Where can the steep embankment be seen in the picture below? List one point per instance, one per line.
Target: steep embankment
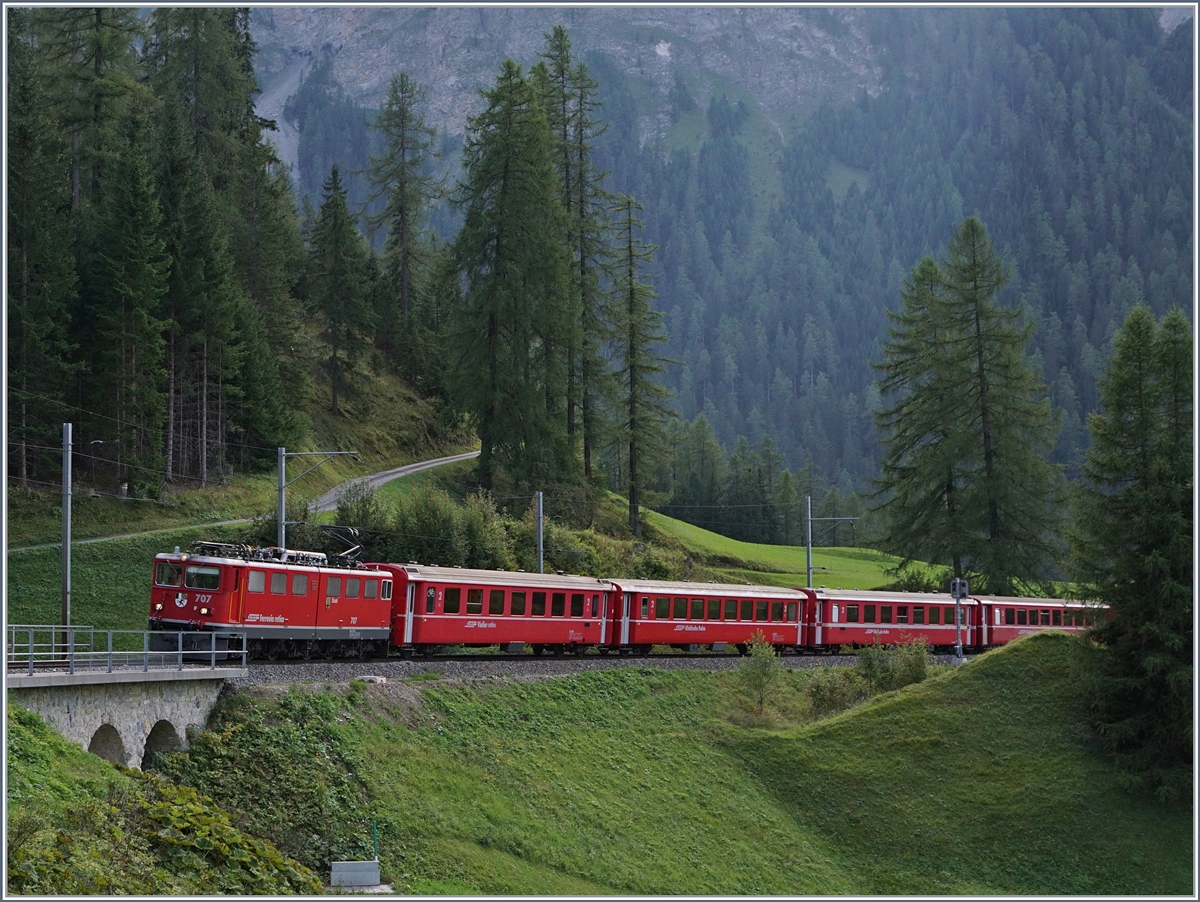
(633, 781)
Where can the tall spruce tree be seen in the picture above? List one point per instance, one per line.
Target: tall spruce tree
(637, 334)
(968, 428)
(338, 284)
(41, 267)
(569, 95)
(400, 176)
(1132, 549)
(509, 326)
(127, 322)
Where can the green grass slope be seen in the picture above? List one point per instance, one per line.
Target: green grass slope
(637, 781)
(76, 825)
(980, 781)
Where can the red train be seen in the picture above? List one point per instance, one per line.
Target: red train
(292, 604)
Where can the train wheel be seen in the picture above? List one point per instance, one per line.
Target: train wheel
(743, 649)
(602, 649)
(644, 651)
(429, 650)
(558, 651)
(539, 649)
(579, 650)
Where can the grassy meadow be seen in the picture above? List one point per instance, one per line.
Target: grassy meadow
(980, 780)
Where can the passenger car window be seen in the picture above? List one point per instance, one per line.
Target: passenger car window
(777, 611)
(430, 597)
(576, 604)
(697, 609)
(869, 613)
(539, 604)
(558, 604)
(747, 610)
(474, 601)
(902, 614)
(885, 613)
(452, 601)
(714, 609)
(680, 611)
(760, 610)
(852, 613)
(731, 609)
(662, 608)
(918, 615)
(517, 607)
(496, 601)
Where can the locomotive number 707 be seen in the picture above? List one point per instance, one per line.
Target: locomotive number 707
(203, 599)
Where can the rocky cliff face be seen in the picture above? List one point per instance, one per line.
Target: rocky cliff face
(780, 59)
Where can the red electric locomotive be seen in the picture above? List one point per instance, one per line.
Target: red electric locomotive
(287, 603)
(688, 616)
(439, 606)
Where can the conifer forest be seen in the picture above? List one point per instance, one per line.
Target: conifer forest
(599, 302)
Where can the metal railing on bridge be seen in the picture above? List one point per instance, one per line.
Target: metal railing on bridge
(85, 649)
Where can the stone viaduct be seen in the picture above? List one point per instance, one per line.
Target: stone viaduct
(126, 716)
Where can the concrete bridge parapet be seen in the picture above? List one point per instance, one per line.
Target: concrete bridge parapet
(123, 717)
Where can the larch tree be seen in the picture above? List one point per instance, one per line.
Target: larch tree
(968, 426)
(1132, 550)
(637, 334)
(510, 321)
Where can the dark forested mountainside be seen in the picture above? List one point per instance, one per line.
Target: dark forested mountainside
(1067, 131)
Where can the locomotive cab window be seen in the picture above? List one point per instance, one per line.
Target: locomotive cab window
(387, 590)
(453, 600)
(168, 573)
(496, 602)
(256, 582)
(517, 607)
(198, 576)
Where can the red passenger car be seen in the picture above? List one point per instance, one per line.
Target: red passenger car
(858, 617)
(1006, 619)
(288, 603)
(685, 615)
(439, 606)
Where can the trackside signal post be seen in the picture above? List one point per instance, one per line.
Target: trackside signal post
(959, 589)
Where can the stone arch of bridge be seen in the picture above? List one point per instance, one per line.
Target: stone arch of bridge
(163, 738)
(107, 743)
